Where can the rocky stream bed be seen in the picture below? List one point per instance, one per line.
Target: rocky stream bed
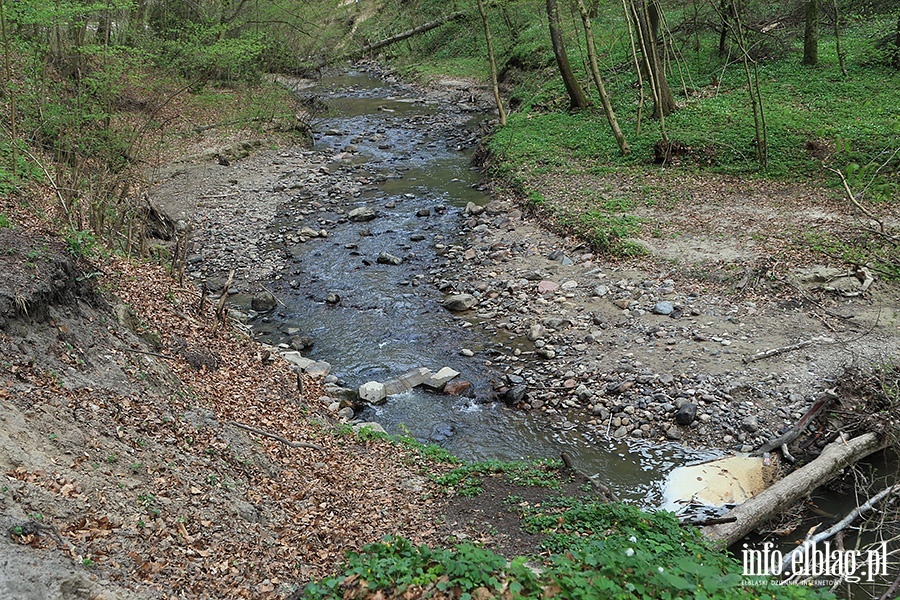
(650, 350)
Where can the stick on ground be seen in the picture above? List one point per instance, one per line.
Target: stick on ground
(284, 441)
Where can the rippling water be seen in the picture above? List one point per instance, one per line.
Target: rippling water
(385, 325)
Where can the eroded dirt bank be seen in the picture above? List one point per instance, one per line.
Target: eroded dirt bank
(127, 469)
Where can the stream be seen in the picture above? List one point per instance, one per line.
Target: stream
(415, 156)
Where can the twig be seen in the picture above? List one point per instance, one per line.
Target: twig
(601, 489)
(148, 353)
(787, 455)
(891, 590)
(827, 397)
(840, 525)
(855, 202)
(228, 195)
(220, 309)
(776, 351)
(277, 299)
(33, 528)
(277, 437)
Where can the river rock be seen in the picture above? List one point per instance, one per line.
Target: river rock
(600, 290)
(457, 388)
(583, 393)
(407, 381)
(263, 302)
(301, 342)
(423, 212)
(473, 209)
(515, 395)
(663, 308)
(750, 424)
(332, 298)
(555, 323)
(342, 394)
(295, 358)
(437, 381)
(308, 232)
(389, 259)
(370, 426)
(372, 392)
(536, 332)
(361, 214)
(459, 302)
(673, 433)
(318, 368)
(546, 286)
(686, 414)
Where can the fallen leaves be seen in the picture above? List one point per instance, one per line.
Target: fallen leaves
(162, 491)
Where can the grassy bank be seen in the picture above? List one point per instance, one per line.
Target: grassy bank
(587, 549)
(817, 117)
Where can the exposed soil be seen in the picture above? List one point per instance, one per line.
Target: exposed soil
(120, 463)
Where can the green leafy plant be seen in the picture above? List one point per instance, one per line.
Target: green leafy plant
(465, 480)
(81, 243)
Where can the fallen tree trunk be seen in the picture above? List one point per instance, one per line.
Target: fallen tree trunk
(786, 492)
(402, 36)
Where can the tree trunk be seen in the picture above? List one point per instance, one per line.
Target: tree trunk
(495, 86)
(759, 115)
(811, 34)
(406, 34)
(598, 81)
(897, 46)
(725, 10)
(787, 492)
(837, 39)
(577, 98)
(647, 19)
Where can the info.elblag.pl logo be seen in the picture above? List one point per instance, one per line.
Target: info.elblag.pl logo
(816, 560)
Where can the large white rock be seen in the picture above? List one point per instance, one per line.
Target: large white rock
(437, 380)
(371, 426)
(296, 358)
(407, 381)
(372, 392)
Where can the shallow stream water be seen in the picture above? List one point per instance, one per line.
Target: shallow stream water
(389, 320)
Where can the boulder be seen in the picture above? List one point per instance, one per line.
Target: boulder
(301, 342)
(298, 359)
(388, 259)
(318, 368)
(459, 387)
(547, 286)
(407, 381)
(459, 302)
(372, 392)
(686, 414)
(263, 302)
(663, 308)
(515, 395)
(474, 209)
(361, 214)
(371, 427)
(536, 332)
(437, 381)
